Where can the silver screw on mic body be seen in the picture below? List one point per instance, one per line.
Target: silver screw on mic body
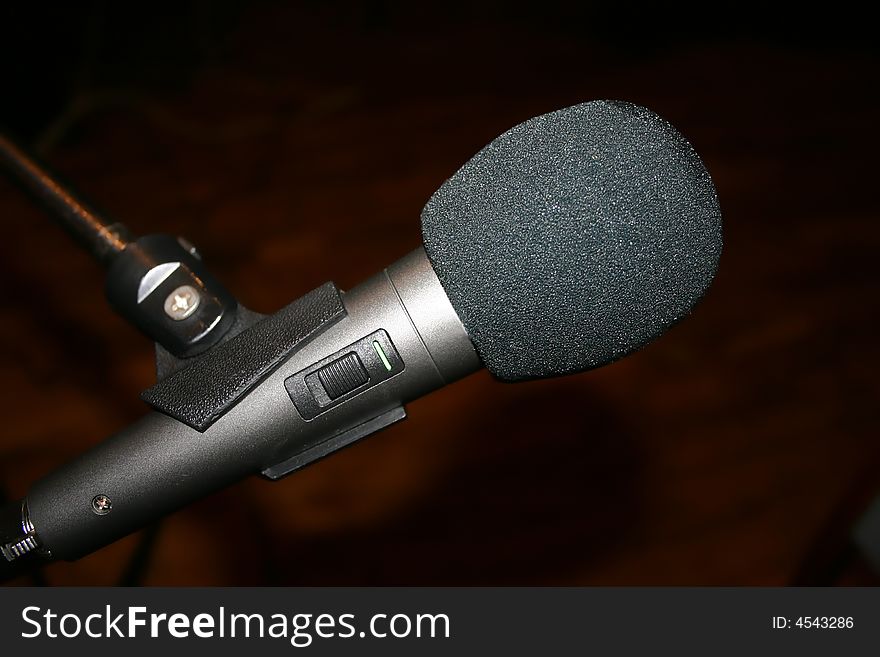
(182, 302)
(101, 505)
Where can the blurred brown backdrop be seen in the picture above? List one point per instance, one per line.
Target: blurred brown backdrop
(297, 142)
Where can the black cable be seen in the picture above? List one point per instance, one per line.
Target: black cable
(31, 565)
(18, 568)
(140, 558)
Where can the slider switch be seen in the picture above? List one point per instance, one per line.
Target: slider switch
(343, 375)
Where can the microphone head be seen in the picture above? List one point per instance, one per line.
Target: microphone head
(574, 239)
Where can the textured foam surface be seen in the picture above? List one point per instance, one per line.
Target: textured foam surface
(574, 238)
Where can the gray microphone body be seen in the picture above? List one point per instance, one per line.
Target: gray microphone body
(568, 242)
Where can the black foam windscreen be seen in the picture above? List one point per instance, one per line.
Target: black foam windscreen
(574, 238)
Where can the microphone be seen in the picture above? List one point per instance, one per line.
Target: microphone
(568, 242)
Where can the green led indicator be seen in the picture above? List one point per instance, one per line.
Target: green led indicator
(382, 355)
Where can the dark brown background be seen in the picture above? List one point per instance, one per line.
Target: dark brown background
(297, 142)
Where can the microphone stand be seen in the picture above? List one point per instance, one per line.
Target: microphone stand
(157, 283)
